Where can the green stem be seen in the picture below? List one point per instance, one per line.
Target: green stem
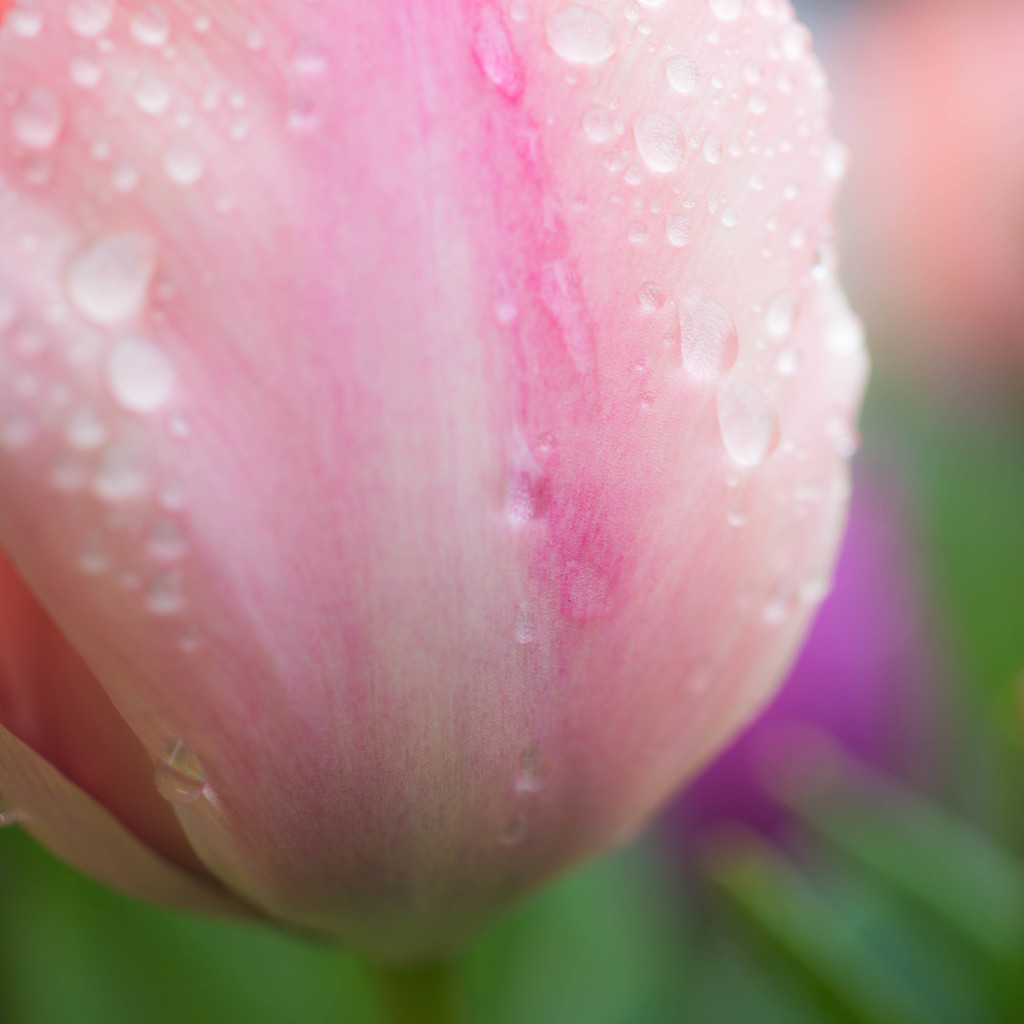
(424, 994)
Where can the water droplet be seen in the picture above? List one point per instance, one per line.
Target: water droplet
(659, 141)
(140, 376)
(25, 22)
(835, 161)
(726, 10)
(562, 296)
(526, 486)
(677, 229)
(708, 338)
(90, 18)
(683, 74)
(85, 72)
(179, 775)
(152, 96)
(514, 832)
(781, 314)
(8, 309)
(93, 558)
(587, 591)
(183, 164)
(38, 118)
(150, 26)
(109, 282)
(712, 149)
(598, 125)
(309, 59)
(652, 298)
(580, 35)
(533, 770)
(493, 50)
(748, 422)
(122, 472)
(164, 596)
(167, 541)
(85, 430)
(9, 816)
(526, 625)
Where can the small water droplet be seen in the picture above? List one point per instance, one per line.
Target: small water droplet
(712, 149)
(150, 26)
(514, 832)
(726, 10)
(140, 376)
(152, 96)
(748, 422)
(580, 35)
(183, 164)
(38, 119)
(534, 770)
(26, 22)
(85, 72)
(781, 314)
(9, 816)
(683, 74)
(164, 596)
(179, 775)
(167, 541)
(708, 338)
(677, 229)
(598, 125)
(526, 625)
(122, 472)
(652, 298)
(93, 558)
(495, 54)
(90, 18)
(659, 141)
(85, 430)
(109, 282)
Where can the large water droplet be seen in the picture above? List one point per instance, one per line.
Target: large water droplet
(179, 775)
(580, 35)
(109, 282)
(90, 18)
(659, 141)
(140, 376)
(748, 422)
(683, 74)
(38, 118)
(708, 338)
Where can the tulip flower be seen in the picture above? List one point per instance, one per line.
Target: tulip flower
(423, 435)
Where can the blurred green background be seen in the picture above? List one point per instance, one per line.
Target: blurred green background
(876, 879)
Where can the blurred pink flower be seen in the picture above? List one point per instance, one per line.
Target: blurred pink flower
(422, 435)
(929, 97)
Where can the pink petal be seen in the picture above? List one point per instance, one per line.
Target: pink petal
(432, 352)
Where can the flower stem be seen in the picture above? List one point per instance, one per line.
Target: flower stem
(424, 994)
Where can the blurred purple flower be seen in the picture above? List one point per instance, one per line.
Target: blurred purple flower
(862, 679)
